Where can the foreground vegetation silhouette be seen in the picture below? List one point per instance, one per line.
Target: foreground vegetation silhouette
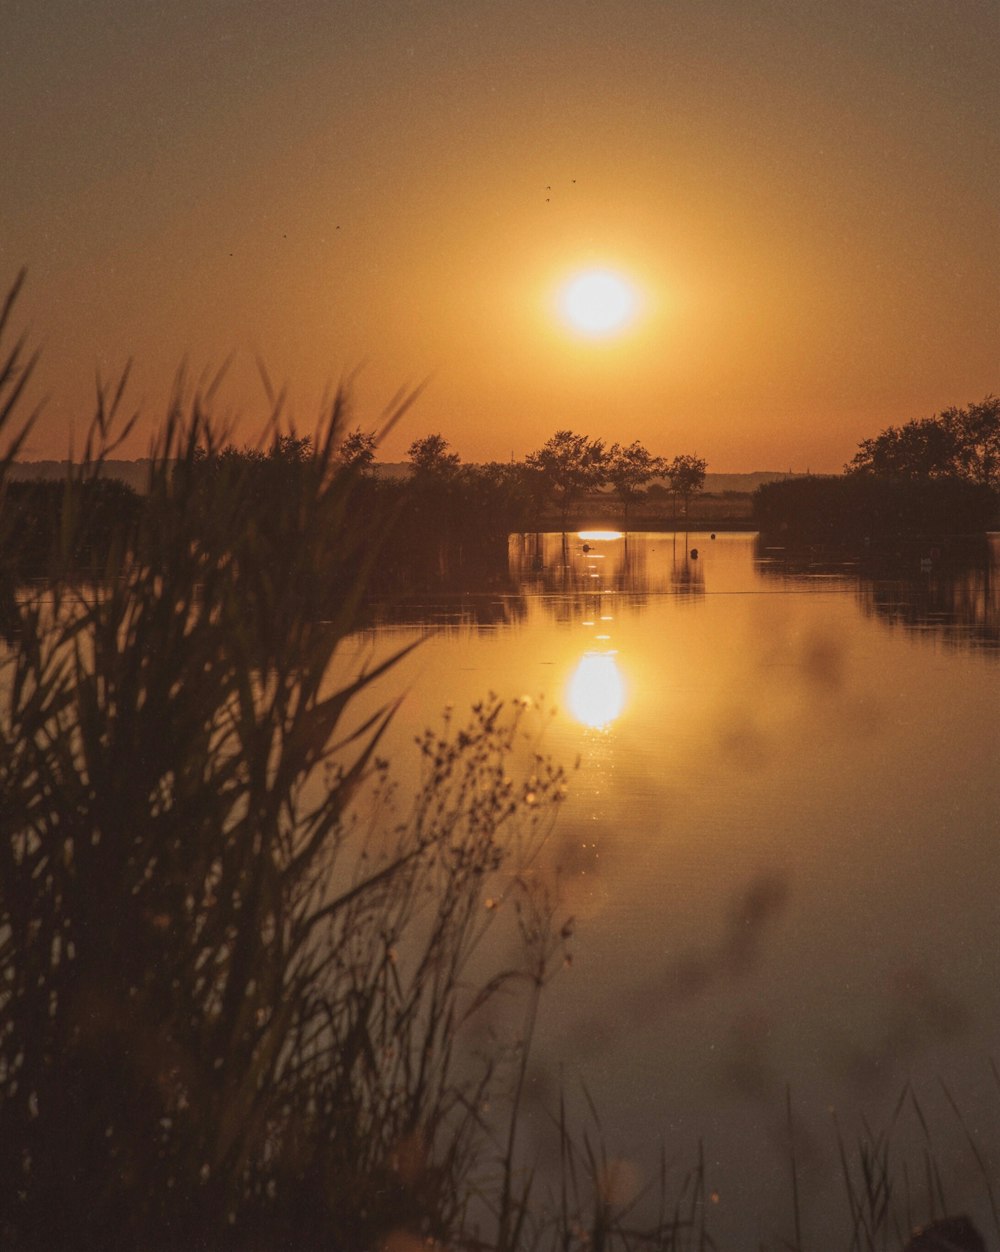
(229, 1001)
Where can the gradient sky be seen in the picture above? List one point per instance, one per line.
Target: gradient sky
(805, 193)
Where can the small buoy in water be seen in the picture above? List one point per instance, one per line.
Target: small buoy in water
(586, 547)
(694, 554)
(713, 534)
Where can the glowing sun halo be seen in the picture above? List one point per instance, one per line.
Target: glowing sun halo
(597, 303)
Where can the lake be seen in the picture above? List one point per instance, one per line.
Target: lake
(780, 846)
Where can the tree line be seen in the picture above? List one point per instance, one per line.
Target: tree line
(559, 474)
(929, 478)
(961, 444)
(442, 524)
(444, 520)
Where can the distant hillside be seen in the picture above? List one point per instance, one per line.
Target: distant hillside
(135, 473)
(716, 484)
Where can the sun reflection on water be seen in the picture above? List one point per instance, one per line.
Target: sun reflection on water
(596, 692)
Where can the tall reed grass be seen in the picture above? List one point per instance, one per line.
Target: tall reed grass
(229, 1003)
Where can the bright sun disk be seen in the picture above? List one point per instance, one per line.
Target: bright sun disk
(597, 302)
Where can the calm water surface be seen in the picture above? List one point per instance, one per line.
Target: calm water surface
(781, 846)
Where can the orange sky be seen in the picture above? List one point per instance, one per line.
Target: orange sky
(805, 193)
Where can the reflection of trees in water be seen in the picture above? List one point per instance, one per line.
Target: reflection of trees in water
(570, 573)
(554, 564)
(962, 606)
(687, 577)
(459, 611)
(955, 596)
(631, 573)
(452, 587)
(808, 563)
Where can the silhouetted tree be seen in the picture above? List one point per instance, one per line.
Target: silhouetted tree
(357, 451)
(920, 449)
(978, 430)
(955, 443)
(497, 496)
(569, 466)
(630, 469)
(291, 448)
(430, 457)
(686, 475)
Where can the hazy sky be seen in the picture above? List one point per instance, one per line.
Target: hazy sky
(803, 192)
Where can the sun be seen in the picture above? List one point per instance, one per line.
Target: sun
(596, 692)
(598, 303)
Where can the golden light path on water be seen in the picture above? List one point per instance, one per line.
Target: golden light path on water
(595, 693)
